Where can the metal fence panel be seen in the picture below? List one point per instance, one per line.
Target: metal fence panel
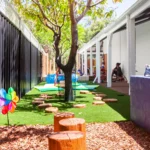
(20, 61)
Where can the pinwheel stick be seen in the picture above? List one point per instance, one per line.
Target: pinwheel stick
(7, 119)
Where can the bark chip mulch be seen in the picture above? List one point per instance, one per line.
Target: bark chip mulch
(99, 136)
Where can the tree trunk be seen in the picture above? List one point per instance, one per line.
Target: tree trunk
(68, 86)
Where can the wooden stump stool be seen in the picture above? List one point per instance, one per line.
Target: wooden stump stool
(51, 110)
(60, 116)
(84, 92)
(60, 94)
(39, 99)
(72, 124)
(67, 140)
(98, 98)
(37, 102)
(96, 93)
(98, 103)
(100, 95)
(79, 105)
(46, 96)
(110, 100)
(45, 105)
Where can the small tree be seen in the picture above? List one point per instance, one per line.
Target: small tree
(59, 16)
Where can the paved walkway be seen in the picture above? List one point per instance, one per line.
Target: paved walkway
(122, 87)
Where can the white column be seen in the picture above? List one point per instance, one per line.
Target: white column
(131, 47)
(109, 60)
(91, 62)
(82, 62)
(98, 73)
(85, 62)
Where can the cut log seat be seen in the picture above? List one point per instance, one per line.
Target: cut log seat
(51, 110)
(98, 103)
(67, 140)
(60, 116)
(97, 98)
(110, 100)
(100, 95)
(72, 124)
(85, 92)
(46, 96)
(45, 105)
(39, 99)
(37, 102)
(79, 105)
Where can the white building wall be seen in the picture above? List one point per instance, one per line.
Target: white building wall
(142, 47)
(116, 44)
(105, 46)
(123, 48)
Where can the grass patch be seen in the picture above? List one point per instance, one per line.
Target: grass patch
(26, 113)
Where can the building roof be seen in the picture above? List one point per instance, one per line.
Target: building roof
(138, 11)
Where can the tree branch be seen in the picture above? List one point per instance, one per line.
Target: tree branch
(85, 10)
(42, 12)
(71, 6)
(96, 3)
(45, 23)
(88, 6)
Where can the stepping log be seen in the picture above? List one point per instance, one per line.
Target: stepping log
(60, 116)
(51, 110)
(100, 95)
(45, 105)
(37, 102)
(46, 96)
(79, 105)
(98, 103)
(72, 124)
(39, 99)
(67, 140)
(98, 98)
(96, 93)
(110, 100)
(84, 92)
(60, 94)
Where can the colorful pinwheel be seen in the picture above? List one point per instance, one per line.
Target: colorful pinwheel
(8, 100)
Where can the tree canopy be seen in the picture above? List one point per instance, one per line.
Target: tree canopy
(62, 18)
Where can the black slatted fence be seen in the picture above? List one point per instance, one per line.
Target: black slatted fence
(20, 61)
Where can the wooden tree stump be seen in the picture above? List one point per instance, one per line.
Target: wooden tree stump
(60, 94)
(96, 93)
(39, 99)
(79, 105)
(98, 103)
(72, 124)
(110, 100)
(100, 95)
(84, 92)
(98, 98)
(67, 140)
(51, 110)
(46, 96)
(37, 102)
(60, 116)
(45, 105)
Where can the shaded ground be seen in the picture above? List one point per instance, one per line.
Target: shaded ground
(100, 136)
(122, 87)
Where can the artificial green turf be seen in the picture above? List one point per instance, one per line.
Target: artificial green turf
(26, 113)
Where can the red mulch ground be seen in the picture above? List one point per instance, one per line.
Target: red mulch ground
(100, 136)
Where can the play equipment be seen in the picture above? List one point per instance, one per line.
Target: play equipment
(52, 88)
(51, 78)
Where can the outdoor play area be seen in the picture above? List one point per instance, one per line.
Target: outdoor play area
(107, 124)
(72, 75)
